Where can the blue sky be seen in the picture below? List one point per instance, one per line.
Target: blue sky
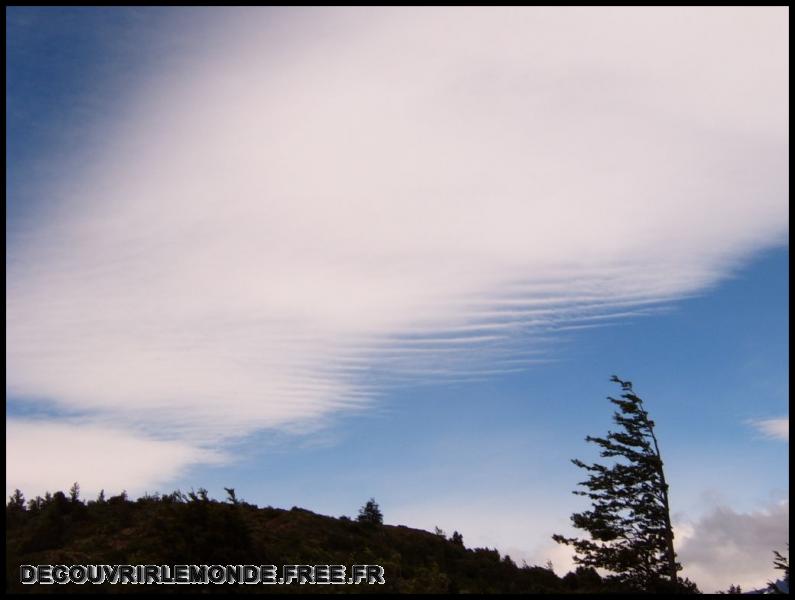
(322, 255)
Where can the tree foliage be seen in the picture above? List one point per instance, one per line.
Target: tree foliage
(371, 513)
(16, 501)
(781, 563)
(629, 524)
(74, 492)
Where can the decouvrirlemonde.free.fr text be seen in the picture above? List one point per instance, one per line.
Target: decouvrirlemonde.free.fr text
(201, 574)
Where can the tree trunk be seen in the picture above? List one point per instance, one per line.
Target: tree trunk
(669, 531)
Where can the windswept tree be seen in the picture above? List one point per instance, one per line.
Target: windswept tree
(629, 525)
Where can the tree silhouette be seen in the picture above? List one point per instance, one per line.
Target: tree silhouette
(74, 492)
(370, 513)
(629, 525)
(781, 563)
(16, 501)
(231, 496)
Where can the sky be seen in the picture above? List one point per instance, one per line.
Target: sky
(320, 255)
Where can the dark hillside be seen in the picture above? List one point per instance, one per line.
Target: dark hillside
(193, 529)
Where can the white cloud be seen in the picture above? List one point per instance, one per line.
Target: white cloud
(49, 456)
(773, 428)
(261, 237)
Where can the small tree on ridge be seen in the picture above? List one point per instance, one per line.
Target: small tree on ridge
(370, 513)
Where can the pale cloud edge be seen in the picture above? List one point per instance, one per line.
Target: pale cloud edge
(49, 456)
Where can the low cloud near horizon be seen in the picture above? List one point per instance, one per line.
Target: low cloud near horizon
(319, 202)
(720, 547)
(727, 547)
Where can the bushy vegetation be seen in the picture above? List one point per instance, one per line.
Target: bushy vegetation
(192, 528)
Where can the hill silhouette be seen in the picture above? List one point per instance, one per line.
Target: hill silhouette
(192, 528)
